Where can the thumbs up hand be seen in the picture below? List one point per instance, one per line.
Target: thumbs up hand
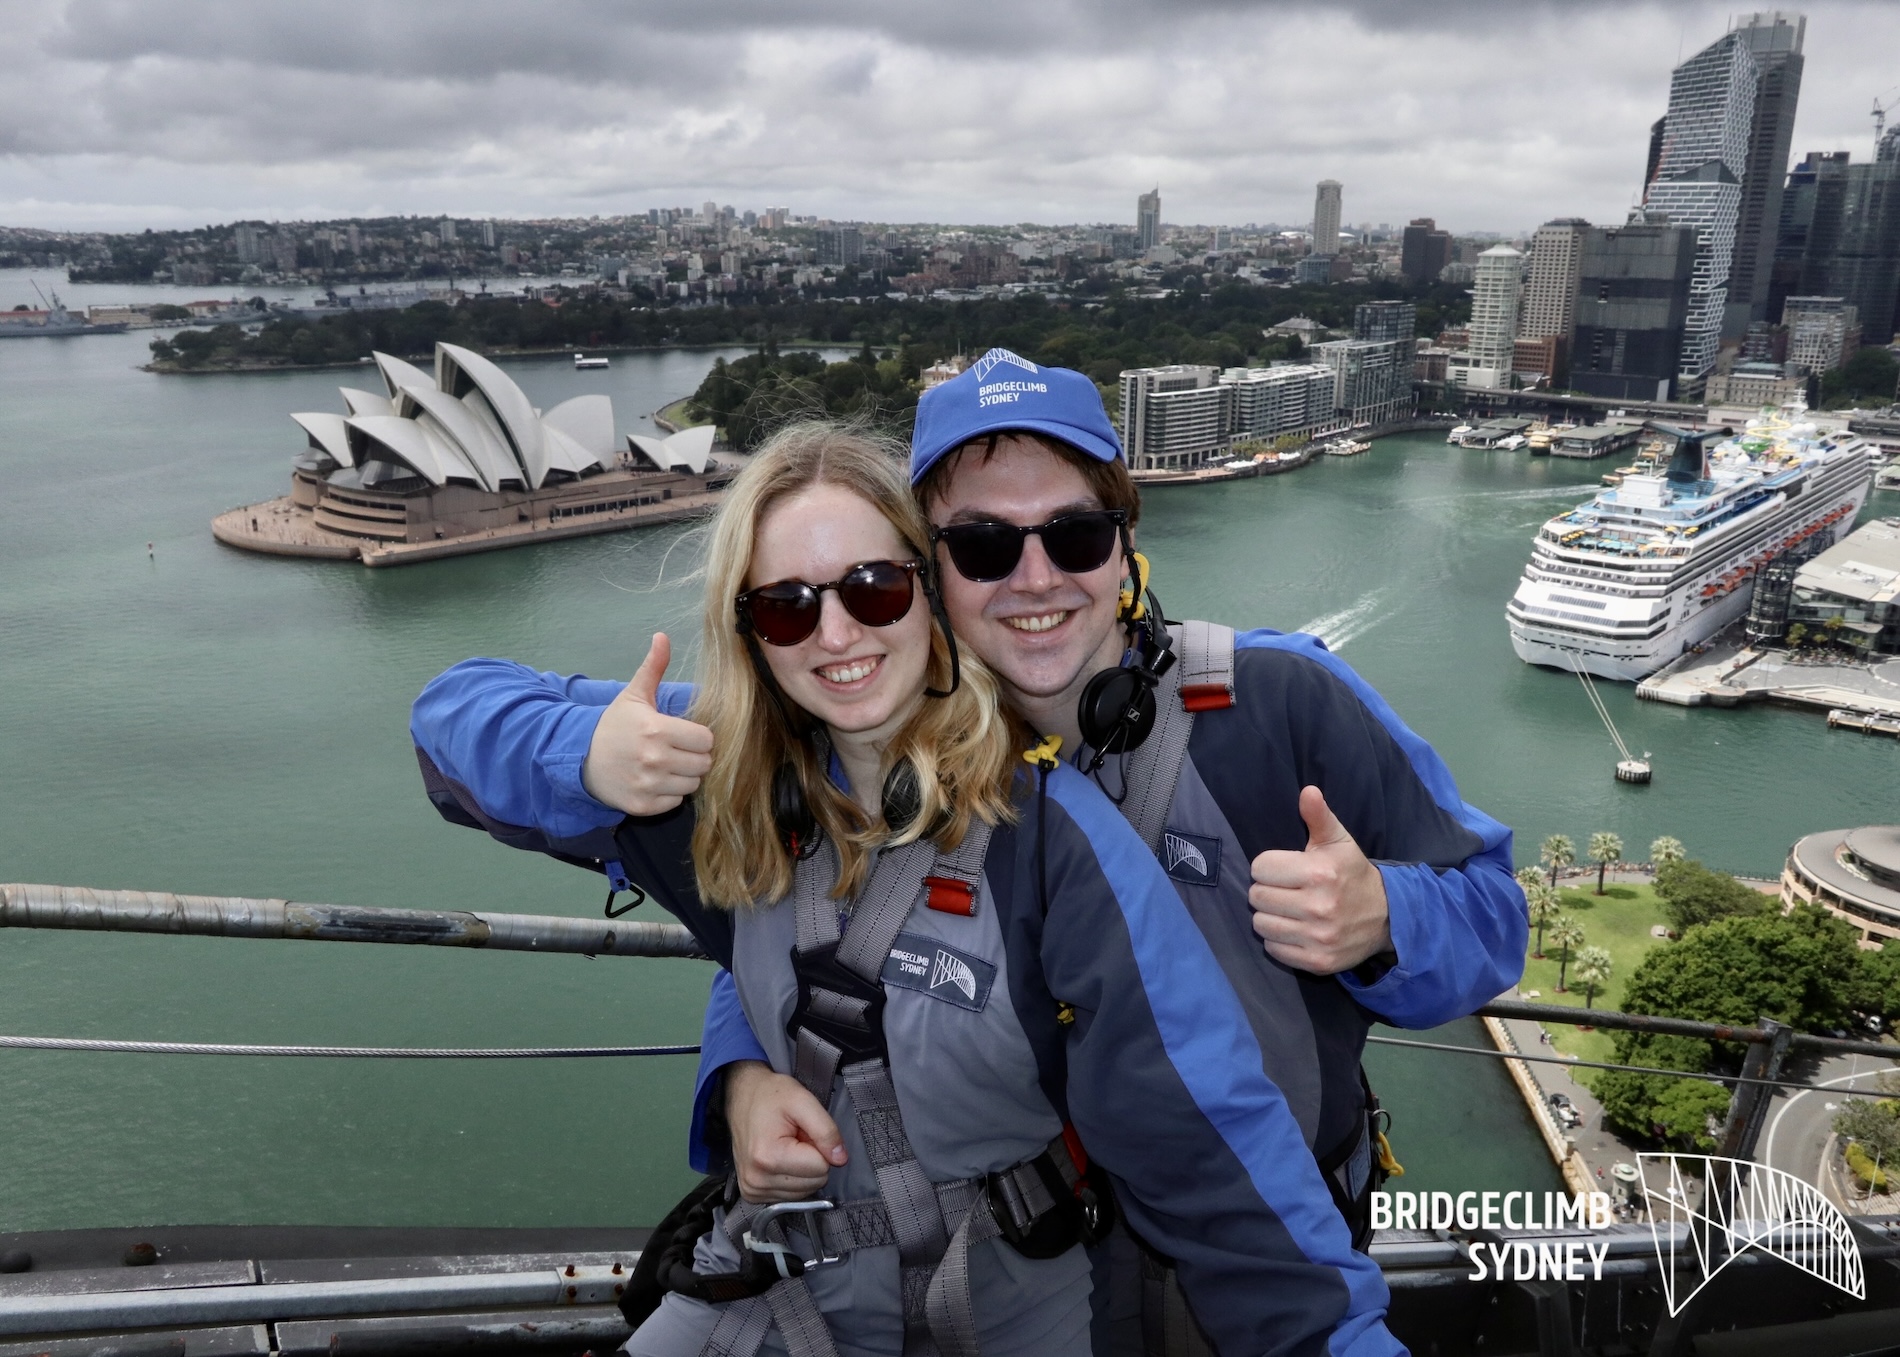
(641, 760)
(1322, 909)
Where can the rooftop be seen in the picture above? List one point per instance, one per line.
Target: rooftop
(1864, 565)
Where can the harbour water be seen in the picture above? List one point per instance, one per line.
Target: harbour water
(195, 719)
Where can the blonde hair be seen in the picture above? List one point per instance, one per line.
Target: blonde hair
(962, 747)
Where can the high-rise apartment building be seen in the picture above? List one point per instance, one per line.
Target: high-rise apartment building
(1774, 40)
(841, 245)
(1810, 215)
(249, 243)
(1840, 236)
(1496, 297)
(488, 235)
(1424, 250)
(1550, 298)
(1823, 332)
(1699, 184)
(1272, 402)
(1148, 219)
(1326, 204)
(1385, 322)
(1173, 417)
(447, 231)
(1632, 307)
(1372, 381)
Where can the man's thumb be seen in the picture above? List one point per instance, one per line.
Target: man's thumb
(815, 1125)
(644, 686)
(1322, 826)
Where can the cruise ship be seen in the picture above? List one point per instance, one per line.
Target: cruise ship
(1625, 583)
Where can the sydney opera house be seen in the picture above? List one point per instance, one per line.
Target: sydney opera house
(461, 461)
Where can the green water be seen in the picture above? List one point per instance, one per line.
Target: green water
(202, 720)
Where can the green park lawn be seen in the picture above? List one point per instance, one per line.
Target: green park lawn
(1619, 920)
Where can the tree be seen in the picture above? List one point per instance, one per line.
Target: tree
(1874, 1125)
(1802, 968)
(1666, 850)
(1557, 852)
(1670, 1109)
(1528, 877)
(1545, 905)
(1593, 972)
(1797, 634)
(1566, 933)
(1605, 848)
(1692, 895)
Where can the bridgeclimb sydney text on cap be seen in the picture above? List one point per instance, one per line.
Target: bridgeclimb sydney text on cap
(1002, 392)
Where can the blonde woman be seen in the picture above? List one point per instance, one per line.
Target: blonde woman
(970, 961)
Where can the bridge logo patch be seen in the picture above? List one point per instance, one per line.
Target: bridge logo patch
(939, 970)
(1193, 858)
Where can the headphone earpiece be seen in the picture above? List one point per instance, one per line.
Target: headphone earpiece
(797, 829)
(902, 798)
(1117, 710)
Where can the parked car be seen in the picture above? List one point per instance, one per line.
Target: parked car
(1565, 1111)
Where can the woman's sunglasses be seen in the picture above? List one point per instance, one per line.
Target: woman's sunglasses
(784, 613)
(1075, 544)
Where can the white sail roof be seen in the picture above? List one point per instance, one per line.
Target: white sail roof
(457, 370)
(474, 438)
(398, 374)
(327, 432)
(366, 402)
(392, 438)
(687, 450)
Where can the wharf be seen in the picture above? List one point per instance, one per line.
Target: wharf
(1729, 672)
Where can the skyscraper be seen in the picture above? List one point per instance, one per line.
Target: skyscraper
(1385, 322)
(1326, 217)
(1424, 250)
(1148, 219)
(1497, 292)
(1840, 237)
(1774, 40)
(1632, 302)
(1699, 183)
(1549, 301)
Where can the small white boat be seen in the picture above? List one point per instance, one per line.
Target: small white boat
(583, 361)
(1513, 443)
(1459, 434)
(1346, 447)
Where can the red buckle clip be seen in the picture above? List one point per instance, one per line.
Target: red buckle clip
(1206, 696)
(950, 896)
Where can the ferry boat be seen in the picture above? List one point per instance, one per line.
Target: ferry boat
(581, 360)
(1628, 581)
(1347, 447)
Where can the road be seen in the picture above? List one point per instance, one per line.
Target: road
(1799, 1122)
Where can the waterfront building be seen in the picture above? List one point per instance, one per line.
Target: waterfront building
(1550, 297)
(1385, 322)
(1498, 292)
(1424, 250)
(1534, 358)
(1698, 183)
(1851, 873)
(460, 460)
(1774, 40)
(1823, 332)
(1273, 402)
(1148, 219)
(1851, 591)
(1632, 305)
(1372, 380)
(1840, 236)
(1755, 386)
(1326, 207)
(1174, 417)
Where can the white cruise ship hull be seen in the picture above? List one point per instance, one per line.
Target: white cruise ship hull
(1626, 619)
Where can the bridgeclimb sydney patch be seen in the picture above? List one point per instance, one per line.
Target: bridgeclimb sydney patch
(1193, 858)
(941, 971)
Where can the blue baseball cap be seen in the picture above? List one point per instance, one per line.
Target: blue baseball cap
(1002, 392)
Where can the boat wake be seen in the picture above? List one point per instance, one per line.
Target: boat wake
(1338, 629)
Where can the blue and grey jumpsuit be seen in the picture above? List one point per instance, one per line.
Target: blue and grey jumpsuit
(1159, 1069)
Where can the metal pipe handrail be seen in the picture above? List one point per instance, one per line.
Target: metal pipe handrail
(77, 907)
(16, 1043)
(1680, 1027)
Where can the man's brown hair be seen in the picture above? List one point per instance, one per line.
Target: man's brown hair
(1109, 482)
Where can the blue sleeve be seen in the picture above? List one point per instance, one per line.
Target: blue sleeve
(1167, 1090)
(516, 739)
(1458, 918)
(725, 1039)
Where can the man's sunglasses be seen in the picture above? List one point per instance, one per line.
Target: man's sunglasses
(1075, 543)
(784, 613)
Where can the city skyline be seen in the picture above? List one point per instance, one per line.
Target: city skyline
(167, 115)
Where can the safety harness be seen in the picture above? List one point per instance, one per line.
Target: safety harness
(1042, 1206)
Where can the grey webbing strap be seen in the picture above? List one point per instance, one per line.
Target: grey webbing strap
(1153, 769)
(799, 1321)
(887, 901)
(740, 1329)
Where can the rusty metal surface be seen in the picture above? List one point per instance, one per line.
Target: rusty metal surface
(1680, 1027)
(81, 908)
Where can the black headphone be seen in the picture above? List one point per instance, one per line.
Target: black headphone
(798, 828)
(1117, 708)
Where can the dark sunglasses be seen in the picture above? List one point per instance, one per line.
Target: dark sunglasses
(1075, 543)
(784, 613)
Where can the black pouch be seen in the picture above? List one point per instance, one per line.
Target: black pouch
(670, 1246)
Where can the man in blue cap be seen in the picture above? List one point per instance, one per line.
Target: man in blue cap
(1318, 842)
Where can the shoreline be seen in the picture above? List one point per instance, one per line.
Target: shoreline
(253, 369)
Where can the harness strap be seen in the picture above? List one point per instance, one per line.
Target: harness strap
(1153, 768)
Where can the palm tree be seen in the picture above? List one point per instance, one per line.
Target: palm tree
(1593, 972)
(1528, 877)
(1605, 848)
(1544, 905)
(1666, 850)
(1566, 933)
(1558, 851)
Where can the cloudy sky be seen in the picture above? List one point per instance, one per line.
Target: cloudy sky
(1486, 114)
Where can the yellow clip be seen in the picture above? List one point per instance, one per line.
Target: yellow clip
(1132, 606)
(1044, 755)
(1392, 1166)
(1065, 1014)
